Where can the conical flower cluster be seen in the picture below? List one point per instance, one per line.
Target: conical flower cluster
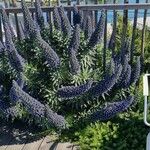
(39, 13)
(6, 22)
(89, 29)
(74, 91)
(97, 35)
(56, 19)
(65, 24)
(16, 61)
(106, 84)
(136, 71)
(76, 16)
(49, 54)
(28, 21)
(35, 108)
(111, 109)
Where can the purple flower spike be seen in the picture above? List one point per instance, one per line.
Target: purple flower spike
(49, 54)
(32, 105)
(56, 19)
(75, 40)
(65, 24)
(6, 22)
(89, 29)
(28, 21)
(74, 91)
(56, 120)
(75, 67)
(136, 72)
(106, 84)
(76, 16)
(97, 35)
(16, 61)
(39, 14)
(112, 109)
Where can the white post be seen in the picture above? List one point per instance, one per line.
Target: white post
(148, 142)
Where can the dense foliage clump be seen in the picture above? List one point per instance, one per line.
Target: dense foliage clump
(54, 75)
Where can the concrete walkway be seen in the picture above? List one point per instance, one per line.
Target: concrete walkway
(15, 139)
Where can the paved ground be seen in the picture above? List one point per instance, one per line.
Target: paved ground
(14, 138)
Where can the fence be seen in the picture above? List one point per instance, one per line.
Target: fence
(95, 10)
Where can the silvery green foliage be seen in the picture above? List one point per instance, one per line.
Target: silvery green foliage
(21, 80)
(89, 29)
(32, 105)
(74, 91)
(107, 83)
(65, 24)
(74, 64)
(136, 70)
(76, 16)
(50, 55)
(112, 109)
(56, 19)
(8, 111)
(6, 22)
(97, 35)
(29, 24)
(75, 40)
(16, 61)
(54, 119)
(39, 13)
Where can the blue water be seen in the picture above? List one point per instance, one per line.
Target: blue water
(130, 12)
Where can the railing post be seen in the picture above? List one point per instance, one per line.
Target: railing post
(134, 32)
(113, 38)
(78, 2)
(143, 32)
(105, 41)
(69, 12)
(16, 20)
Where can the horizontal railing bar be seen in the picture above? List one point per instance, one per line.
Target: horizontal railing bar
(89, 7)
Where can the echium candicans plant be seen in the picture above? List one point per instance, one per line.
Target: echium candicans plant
(89, 29)
(36, 108)
(68, 92)
(65, 24)
(75, 40)
(39, 14)
(16, 60)
(136, 71)
(6, 22)
(29, 24)
(106, 84)
(111, 109)
(56, 19)
(97, 35)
